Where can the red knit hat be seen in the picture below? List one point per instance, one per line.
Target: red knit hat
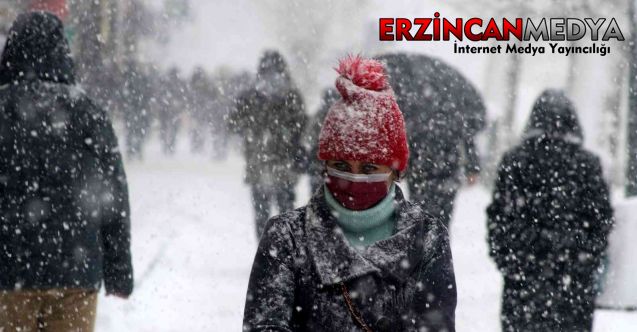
(366, 124)
(58, 7)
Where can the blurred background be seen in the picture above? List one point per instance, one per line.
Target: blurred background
(169, 71)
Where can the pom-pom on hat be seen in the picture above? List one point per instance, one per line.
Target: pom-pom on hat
(366, 124)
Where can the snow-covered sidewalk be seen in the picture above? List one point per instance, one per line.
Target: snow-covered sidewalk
(193, 244)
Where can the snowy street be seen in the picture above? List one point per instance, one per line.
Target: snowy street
(193, 245)
(213, 106)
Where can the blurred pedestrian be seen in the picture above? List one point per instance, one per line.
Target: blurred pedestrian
(201, 95)
(358, 256)
(271, 119)
(137, 95)
(222, 105)
(315, 167)
(64, 214)
(443, 114)
(549, 222)
(170, 104)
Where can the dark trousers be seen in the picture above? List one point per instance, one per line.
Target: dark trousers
(436, 195)
(135, 139)
(540, 304)
(263, 196)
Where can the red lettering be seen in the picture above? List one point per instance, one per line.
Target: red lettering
(436, 26)
(423, 23)
(390, 29)
(403, 26)
(515, 30)
(385, 29)
(492, 31)
(447, 28)
(467, 29)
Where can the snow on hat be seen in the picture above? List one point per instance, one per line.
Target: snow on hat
(366, 124)
(58, 7)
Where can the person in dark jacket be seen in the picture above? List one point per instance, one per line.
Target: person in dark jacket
(137, 98)
(202, 96)
(271, 119)
(358, 256)
(64, 213)
(548, 223)
(443, 113)
(314, 166)
(170, 105)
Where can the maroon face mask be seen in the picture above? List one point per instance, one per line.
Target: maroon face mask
(357, 191)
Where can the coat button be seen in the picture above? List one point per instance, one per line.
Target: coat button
(383, 324)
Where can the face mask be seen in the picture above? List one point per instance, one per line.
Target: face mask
(357, 191)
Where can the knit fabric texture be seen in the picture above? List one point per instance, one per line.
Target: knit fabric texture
(366, 227)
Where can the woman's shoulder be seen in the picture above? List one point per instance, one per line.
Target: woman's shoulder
(427, 224)
(431, 235)
(285, 226)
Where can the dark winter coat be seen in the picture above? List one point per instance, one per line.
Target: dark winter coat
(403, 283)
(271, 122)
(138, 94)
(548, 222)
(443, 113)
(170, 100)
(36, 48)
(64, 214)
(202, 96)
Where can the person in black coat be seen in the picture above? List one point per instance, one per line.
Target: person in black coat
(137, 97)
(201, 107)
(358, 256)
(548, 223)
(169, 106)
(443, 113)
(271, 119)
(64, 213)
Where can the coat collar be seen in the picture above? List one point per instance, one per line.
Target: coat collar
(336, 260)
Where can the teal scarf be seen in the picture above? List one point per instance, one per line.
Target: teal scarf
(364, 228)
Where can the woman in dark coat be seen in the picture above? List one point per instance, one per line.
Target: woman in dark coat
(359, 256)
(548, 223)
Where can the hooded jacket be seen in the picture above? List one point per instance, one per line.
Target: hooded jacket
(402, 283)
(36, 49)
(549, 193)
(64, 213)
(554, 115)
(549, 221)
(270, 117)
